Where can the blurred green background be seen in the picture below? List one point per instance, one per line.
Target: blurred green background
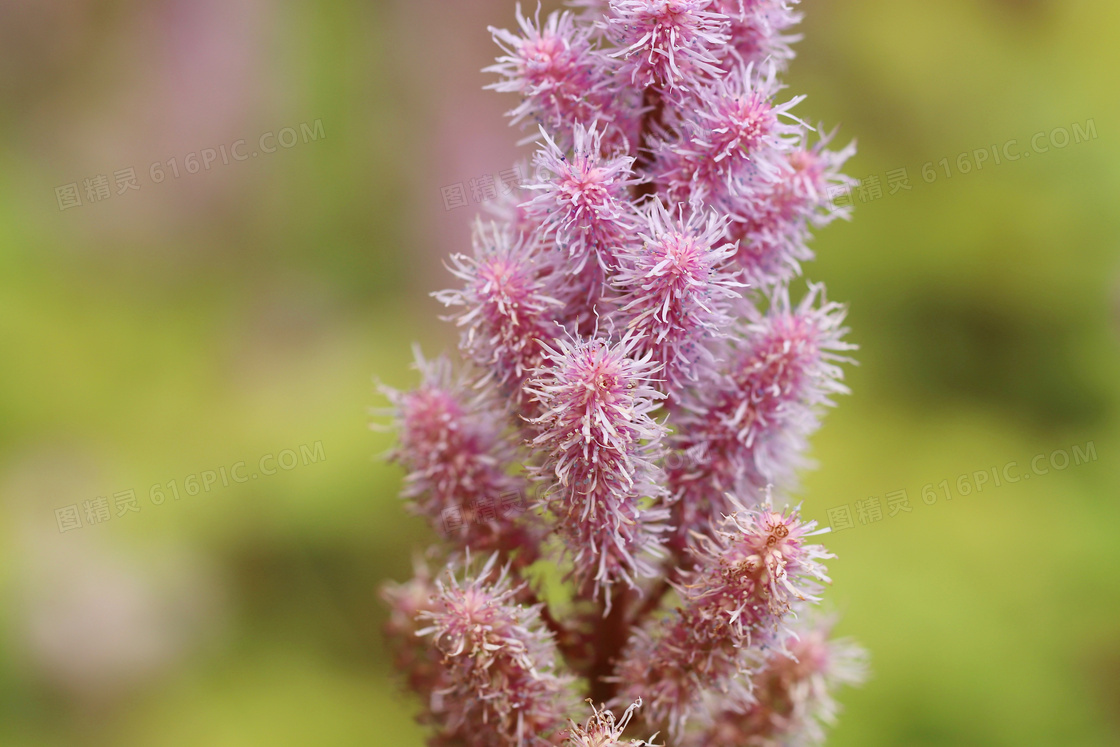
(239, 312)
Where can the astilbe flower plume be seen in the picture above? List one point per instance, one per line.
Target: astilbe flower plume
(758, 28)
(666, 43)
(746, 579)
(678, 291)
(505, 308)
(639, 381)
(584, 212)
(749, 429)
(731, 143)
(790, 699)
(598, 444)
(498, 683)
(561, 78)
(457, 457)
(772, 230)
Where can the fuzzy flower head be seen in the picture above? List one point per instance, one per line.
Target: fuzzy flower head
(750, 428)
(757, 28)
(732, 605)
(757, 566)
(746, 580)
(596, 396)
(553, 68)
(506, 309)
(743, 119)
(602, 730)
(794, 350)
(499, 664)
(813, 175)
(667, 43)
(636, 369)
(773, 228)
(677, 290)
(791, 693)
(454, 449)
(788, 371)
(584, 207)
(599, 442)
(733, 139)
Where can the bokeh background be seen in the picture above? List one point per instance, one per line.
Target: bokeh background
(242, 311)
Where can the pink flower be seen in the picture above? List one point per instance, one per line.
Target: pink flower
(747, 578)
(669, 44)
(602, 730)
(731, 141)
(506, 309)
(750, 430)
(677, 291)
(584, 210)
(598, 443)
(774, 227)
(561, 79)
(757, 566)
(457, 456)
(500, 681)
(790, 695)
(653, 407)
(787, 373)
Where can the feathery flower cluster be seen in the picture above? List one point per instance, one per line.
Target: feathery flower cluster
(498, 677)
(584, 211)
(505, 305)
(773, 233)
(635, 371)
(791, 700)
(678, 292)
(732, 140)
(562, 79)
(746, 580)
(749, 429)
(666, 43)
(457, 457)
(598, 444)
(602, 730)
